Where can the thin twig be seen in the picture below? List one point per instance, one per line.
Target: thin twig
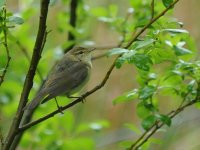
(121, 42)
(150, 23)
(141, 140)
(5, 45)
(30, 75)
(160, 124)
(152, 9)
(99, 56)
(102, 48)
(124, 32)
(44, 40)
(72, 22)
(156, 127)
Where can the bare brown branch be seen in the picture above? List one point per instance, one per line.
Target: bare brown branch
(152, 9)
(30, 75)
(72, 21)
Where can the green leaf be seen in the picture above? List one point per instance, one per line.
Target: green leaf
(152, 76)
(141, 61)
(179, 73)
(191, 85)
(15, 20)
(159, 55)
(165, 119)
(147, 92)
(117, 51)
(148, 122)
(176, 31)
(142, 44)
(131, 57)
(144, 77)
(142, 111)
(179, 51)
(129, 96)
(167, 3)
(119, 62)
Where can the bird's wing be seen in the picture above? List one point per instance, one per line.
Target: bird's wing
(65, 78)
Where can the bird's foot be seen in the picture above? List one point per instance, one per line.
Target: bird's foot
(60, 110)
(59, 107)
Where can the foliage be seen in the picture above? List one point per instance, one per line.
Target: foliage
(163, 57)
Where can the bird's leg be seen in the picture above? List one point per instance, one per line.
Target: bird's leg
(59, 108)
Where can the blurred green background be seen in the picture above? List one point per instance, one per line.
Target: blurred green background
(97, 123)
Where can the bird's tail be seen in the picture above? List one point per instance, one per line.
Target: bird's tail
(36, 101)
(29, 108)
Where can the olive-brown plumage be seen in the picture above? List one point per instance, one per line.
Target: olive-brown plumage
(67, 77)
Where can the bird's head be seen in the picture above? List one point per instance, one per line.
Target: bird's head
(83, 54)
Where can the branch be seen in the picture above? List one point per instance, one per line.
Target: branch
(141, 140)
(71, 104)
(72, 21)
(158, 125)
(27, 117)
(104, 54)
(150, 23)
(152, 9)
(121, 42)
(124, 32)
(24, 127)
(99, 56)
(30, 75)
(4, 27)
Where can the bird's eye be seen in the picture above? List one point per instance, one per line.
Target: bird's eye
(81, 52)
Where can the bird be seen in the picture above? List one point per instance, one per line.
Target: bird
(67, 77)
